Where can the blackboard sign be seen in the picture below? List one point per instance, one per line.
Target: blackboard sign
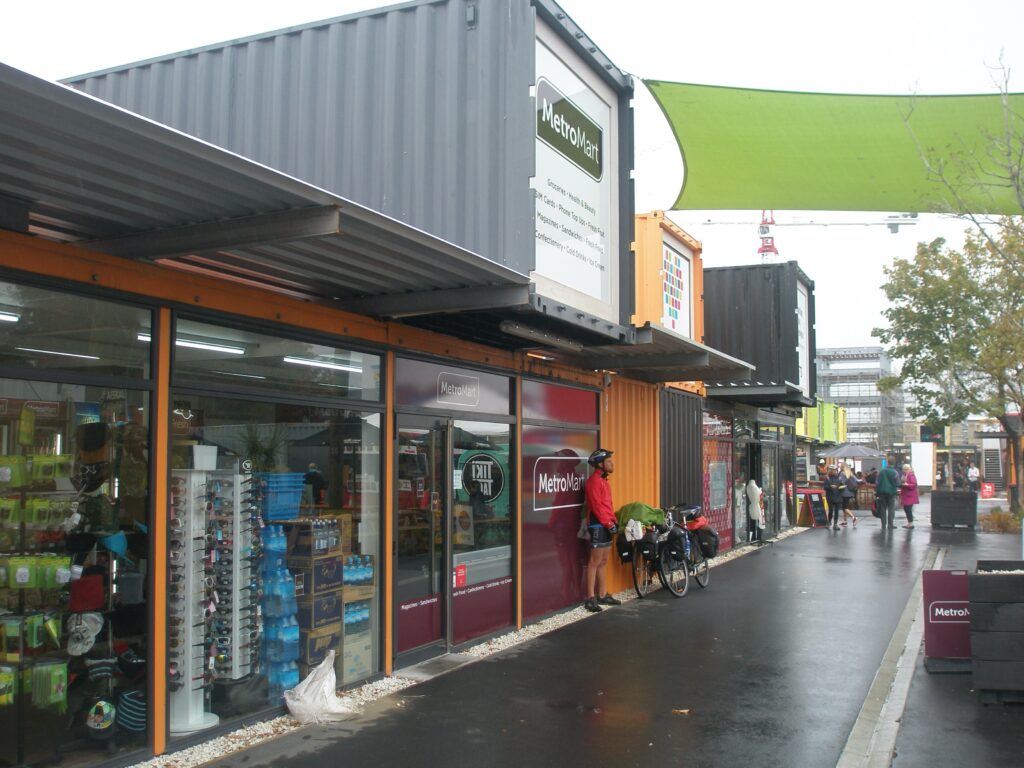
(816, 501)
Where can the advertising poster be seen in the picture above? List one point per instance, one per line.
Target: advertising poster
(676, 286)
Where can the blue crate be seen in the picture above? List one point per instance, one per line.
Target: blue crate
(282, 492)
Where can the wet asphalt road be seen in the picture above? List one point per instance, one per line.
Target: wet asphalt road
(772, 662)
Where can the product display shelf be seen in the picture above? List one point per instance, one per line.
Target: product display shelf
(234, 618)
(188, 621)
(22, 529)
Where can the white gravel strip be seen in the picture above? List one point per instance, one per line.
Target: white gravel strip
(250, 736)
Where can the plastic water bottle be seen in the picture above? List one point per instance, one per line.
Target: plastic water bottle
(290, 640)
(289, 676)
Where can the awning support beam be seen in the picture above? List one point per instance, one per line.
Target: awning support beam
(439, 302)
(637, 362)
(281, 226)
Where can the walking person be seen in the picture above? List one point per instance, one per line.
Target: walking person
(886, 490)
(973, 477)
(850, 494)
(835, 484)
(908, 494)
(602, 528)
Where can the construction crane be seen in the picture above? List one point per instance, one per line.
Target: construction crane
(768, 252)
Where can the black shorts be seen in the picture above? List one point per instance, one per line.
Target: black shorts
(599, 537)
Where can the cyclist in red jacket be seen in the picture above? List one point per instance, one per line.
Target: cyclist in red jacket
(602, 528)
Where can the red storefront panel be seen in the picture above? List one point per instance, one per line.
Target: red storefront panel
(718, 491)
(551, 402)
(554, 472)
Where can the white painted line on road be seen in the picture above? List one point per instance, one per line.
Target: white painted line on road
(872, 739)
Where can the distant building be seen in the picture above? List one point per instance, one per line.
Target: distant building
(848, 377)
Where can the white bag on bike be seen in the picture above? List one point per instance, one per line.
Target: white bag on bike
(634, 530)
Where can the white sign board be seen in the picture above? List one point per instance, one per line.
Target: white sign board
(922, 459)
(576, 232)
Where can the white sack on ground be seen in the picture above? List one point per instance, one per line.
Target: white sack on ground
(315, 699)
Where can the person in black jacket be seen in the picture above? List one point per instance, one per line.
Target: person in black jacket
(835, 485)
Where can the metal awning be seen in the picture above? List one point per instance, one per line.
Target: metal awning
(760, 394)
(75, 169)
(660, 355)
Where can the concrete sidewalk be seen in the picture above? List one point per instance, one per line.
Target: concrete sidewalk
(769, 666)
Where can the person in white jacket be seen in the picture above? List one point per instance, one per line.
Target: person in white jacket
(755, 512)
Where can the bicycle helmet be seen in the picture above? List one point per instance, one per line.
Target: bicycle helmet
(598, 456)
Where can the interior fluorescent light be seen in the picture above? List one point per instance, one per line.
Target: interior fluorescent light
(209, 347)
(322, 364)
(198, 345)
(53, 352)
(241, 375)
(9, 317)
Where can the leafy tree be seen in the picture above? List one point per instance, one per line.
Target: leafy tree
(956, 316)
(956, 320)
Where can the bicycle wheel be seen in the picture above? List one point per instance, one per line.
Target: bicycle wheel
(643, 579)
(701, 568)
(673, 573)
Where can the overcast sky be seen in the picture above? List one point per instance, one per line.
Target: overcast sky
(895, 47)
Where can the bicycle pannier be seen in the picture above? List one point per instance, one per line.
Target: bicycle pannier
(707, 537)
(649, 545)
(623, 547)
(676, 543)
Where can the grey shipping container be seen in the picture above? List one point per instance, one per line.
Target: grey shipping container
(763, 314)
(424, 111)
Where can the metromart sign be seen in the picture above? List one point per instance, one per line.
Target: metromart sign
(568, 130)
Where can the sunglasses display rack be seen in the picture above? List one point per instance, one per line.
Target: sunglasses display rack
(190, 665)
(234, 534)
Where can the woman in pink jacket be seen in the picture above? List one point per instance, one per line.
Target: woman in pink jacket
(908, 494)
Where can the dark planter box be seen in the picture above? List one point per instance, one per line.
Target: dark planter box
(951, 508)
(997, 630)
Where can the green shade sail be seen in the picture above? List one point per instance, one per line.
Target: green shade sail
(750, 149)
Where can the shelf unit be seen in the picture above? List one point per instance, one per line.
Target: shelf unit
(188, 621)
(236, 527)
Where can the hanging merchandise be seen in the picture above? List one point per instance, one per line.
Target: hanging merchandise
(82, 631)
(87, 593)
(8, 685)
(99, 720)
(50, 685)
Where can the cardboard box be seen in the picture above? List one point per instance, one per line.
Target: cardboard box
(300, 539)
(354, 594)
(357, 660)
(315, 643)
(316, 611)
(318, 574)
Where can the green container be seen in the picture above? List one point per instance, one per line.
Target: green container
(22, 573)
(10, 512)
(13, 472)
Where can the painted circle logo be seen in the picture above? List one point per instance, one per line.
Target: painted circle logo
(485, 473)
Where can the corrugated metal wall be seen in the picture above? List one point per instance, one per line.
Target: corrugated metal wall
(629, 426)
(414, 111)
(743, 317)
(681, 445)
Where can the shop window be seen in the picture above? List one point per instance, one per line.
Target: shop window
(227, 358)
(74, 558)
(283, 505)
(55, 332)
